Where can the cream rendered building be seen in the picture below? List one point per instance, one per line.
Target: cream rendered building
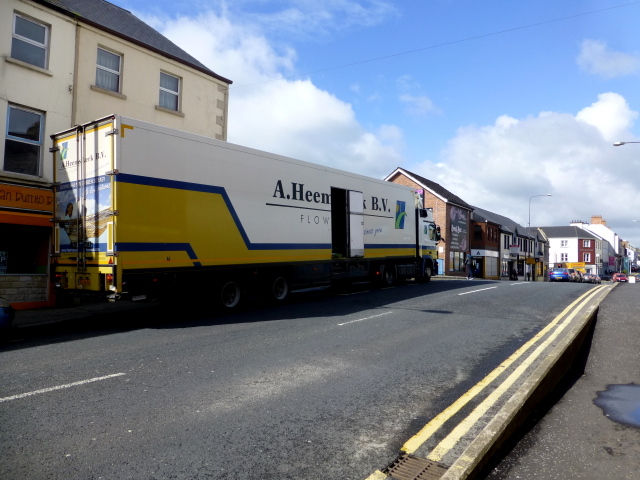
(66, 62)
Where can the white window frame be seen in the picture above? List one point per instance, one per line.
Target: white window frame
(586, 257)
(12, 138)
(16, 36)
(564, 257)
(564, 243)
(118, 73)
(586, 243)
(170, 92)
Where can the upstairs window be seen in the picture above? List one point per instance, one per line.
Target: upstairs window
(30, 41)
(169, 91)
(586, 243)
(564, 243)
(108, 70)
(23, 141)
(586, 258)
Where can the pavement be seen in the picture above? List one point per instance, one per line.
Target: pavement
(592, 432)
(99, 310)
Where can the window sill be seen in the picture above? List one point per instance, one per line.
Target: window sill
(167, 110)
(108, 92)
(29, 66)
(36, 179)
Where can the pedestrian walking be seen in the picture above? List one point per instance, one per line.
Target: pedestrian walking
(469, 266)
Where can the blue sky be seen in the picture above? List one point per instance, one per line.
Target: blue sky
(496, 100)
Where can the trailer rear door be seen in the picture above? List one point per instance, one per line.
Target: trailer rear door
(356, 224)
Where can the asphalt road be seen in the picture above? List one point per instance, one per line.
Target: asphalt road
(330, 385)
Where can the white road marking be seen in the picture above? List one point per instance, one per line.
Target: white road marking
(363, 319)
(474, 291)
(60, 387)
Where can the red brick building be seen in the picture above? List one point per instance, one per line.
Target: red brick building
(485, 245)
(451, 214)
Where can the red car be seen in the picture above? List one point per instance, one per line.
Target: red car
(620, 277)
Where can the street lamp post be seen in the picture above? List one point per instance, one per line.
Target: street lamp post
(533, 273)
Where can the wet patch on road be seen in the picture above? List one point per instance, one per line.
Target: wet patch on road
(621, 403)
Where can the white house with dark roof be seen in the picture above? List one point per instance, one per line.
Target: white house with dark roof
(573, 247)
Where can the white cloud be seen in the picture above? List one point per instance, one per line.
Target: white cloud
(311, 18)
(296, 119)
(285, 116)
(418, 105)
(596, 58)
(499, 167)
(611, 115)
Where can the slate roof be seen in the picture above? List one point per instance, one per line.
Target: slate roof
(124, 24)
(436, 188)
(505, 223)
(567, 232)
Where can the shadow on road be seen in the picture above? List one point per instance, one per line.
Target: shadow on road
(309, 303)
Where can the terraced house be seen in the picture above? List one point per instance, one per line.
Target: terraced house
(66, 62)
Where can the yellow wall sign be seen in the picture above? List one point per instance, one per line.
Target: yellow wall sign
(26, 198)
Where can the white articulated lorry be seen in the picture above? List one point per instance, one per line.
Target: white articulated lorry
(143, 210)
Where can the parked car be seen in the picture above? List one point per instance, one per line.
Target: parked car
(605, 277)
(560, 275)
(7, 314)
(620, 277)
(575, 276)
(588, 278)
(596, 278)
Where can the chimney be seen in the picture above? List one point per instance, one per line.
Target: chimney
(598, 220)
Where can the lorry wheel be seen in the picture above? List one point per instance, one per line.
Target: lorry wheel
(426, 274)
(389, 276)
(230, 294)
(280, 289)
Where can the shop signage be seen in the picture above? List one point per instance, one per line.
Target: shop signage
(458, 238)
(484, 253)
(576, 264)
(34, 200)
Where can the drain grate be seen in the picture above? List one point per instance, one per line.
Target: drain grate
(408, 467)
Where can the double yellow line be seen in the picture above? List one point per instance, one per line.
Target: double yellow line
(463, 427)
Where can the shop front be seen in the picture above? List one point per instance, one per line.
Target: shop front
(25, 231)
(486, 264)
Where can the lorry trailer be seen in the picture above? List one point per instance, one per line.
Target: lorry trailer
(143, 211)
